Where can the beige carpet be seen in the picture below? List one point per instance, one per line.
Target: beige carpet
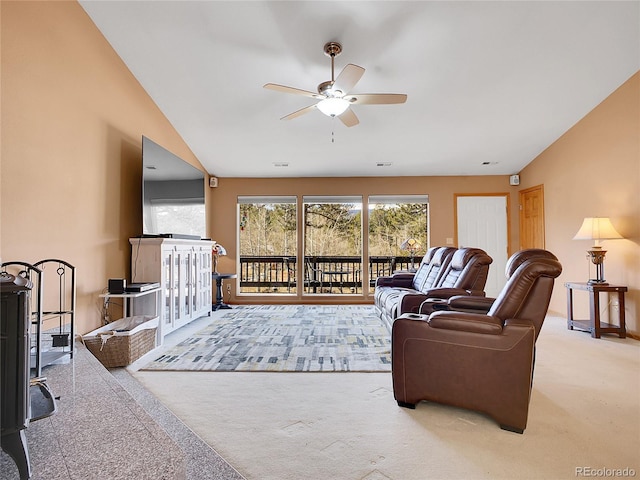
(584, 414)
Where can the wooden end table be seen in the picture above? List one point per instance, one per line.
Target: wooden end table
(219, 277)
(594, 325)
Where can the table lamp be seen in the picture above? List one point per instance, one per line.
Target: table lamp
(597, 228)
(218, 251)
(411, 245)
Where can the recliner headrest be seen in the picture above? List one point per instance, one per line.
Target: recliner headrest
(429, 255)
(517, 289)
(463, 255)
(522, 256)
(441, 255)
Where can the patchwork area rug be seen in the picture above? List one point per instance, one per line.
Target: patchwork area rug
(285, 338)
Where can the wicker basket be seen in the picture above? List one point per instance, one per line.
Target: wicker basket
(122, 348)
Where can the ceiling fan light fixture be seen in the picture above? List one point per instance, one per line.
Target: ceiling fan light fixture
(333, 107)
(334, 95)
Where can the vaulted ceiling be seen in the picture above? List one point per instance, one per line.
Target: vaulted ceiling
(490, 85)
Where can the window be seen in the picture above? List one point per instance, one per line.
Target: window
(392, 221)
(330, 261)
(268, 244)
(332, 245)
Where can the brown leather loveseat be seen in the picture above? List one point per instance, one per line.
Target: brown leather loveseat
(443, 273)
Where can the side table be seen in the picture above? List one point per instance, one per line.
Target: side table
(128, 309)
(594, 325)
(219, 277)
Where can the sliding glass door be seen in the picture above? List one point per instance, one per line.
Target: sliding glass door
(319, 249)
(332, 245)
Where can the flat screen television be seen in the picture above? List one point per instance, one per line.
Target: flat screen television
(173, 202)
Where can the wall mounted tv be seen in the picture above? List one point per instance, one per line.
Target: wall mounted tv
(172, 194)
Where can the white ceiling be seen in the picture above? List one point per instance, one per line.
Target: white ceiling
(494, 82)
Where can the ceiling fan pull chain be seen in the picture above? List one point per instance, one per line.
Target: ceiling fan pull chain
(333, 128)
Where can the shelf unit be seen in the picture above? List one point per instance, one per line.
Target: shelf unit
(183, 270)
(130, 305)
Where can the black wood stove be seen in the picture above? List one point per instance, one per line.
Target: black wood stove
(14, 369)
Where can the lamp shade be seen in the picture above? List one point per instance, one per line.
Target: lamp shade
(219, 250)
(597, 228)
(410, 244)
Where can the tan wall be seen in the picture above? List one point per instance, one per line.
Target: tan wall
(593, 170)
(72, 120)
(441, 192)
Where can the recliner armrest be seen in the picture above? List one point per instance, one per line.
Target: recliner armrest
(466, 322)
(476, 293)
(444, 292)
(518, 322)
(411, 302)
(439, 307)
(383, 282)
(403, 280)
(467, 303)
(432, 304)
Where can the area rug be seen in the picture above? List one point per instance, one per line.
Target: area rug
(285, 338)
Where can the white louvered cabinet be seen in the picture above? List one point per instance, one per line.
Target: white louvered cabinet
(183, 270)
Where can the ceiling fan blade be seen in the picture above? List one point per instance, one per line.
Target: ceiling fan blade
(377, 98)
(349, 76)
(295, 91)
(349, 118)
(297, 113)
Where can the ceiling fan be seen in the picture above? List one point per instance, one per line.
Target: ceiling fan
(334, 95)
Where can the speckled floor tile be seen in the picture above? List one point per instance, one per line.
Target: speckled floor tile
(108, 426)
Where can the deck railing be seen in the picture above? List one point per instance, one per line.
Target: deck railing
(336, 274)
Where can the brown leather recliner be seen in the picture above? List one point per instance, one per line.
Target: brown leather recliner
(481, 362)
(482, 304)
(466, 274)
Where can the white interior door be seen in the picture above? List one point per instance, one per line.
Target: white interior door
(482, 223)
